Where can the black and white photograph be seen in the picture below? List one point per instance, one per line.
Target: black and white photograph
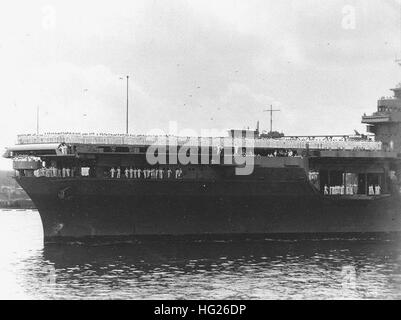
(180, 151)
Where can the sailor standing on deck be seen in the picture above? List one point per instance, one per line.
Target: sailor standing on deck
(112, 172)
(326, 190)
(118, 173)
(377, 189)
(138, 173)
(63, 148)
(169, 172)
(371, 191)
(126, 172)
(60, 147)
(68, 171)
(131, 172)
(351, 189)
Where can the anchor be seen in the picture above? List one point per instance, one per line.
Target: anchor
(65, 194)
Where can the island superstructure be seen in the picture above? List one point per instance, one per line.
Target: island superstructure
(89, 186)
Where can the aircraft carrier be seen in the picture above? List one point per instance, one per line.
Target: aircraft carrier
(92, 186)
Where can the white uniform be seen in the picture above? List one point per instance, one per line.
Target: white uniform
(112, 172)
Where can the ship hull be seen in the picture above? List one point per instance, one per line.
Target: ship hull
(73, 209)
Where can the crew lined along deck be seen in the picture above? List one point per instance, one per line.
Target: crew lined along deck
(30, 166)
(113, 173)
(145, 140)
(350, 190)
(137, 173)
(338, 183)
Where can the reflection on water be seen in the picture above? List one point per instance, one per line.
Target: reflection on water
(269, 269)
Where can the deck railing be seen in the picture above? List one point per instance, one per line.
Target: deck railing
(145, 140)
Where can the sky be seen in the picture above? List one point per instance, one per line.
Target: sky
(202, 64)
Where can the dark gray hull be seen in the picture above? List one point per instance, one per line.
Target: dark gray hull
(91, 208)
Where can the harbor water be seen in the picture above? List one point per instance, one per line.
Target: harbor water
(328, 268)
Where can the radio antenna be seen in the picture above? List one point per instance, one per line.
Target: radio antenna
(37, 119)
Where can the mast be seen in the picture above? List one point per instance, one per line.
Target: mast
(126, 128)
(271, 110)
(37, 119)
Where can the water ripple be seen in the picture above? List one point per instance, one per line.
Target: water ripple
(268, 269)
